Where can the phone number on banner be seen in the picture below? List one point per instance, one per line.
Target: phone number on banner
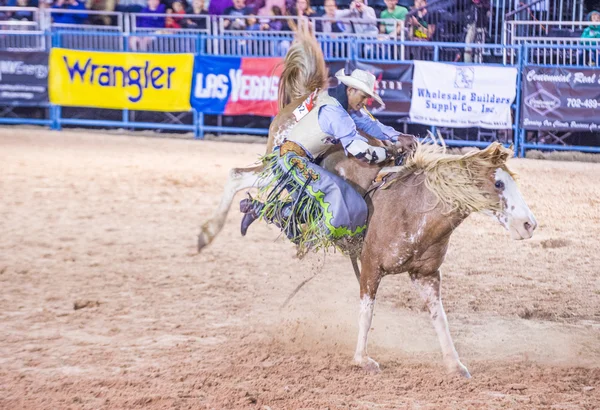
(579, 103)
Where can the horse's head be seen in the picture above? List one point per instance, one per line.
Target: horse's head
(512, 211)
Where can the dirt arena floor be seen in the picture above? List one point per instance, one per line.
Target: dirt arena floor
(105, 304)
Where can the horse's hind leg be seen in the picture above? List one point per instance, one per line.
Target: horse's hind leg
(429, 288)
(239, 178)
(369, 282)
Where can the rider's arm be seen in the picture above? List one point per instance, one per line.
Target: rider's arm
(367, 123)
(335, 121)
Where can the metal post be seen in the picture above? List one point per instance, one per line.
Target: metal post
(196, 123)
(436, 57)
(402, 40)
(200, 44)
(200, 125)
(55, 113)
(517, 127)
(523, 58)
(55, 39)
(125, 112)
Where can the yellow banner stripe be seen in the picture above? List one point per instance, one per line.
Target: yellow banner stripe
(136, 81)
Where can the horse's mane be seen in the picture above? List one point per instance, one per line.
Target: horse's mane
(304, 68)
(456, 180)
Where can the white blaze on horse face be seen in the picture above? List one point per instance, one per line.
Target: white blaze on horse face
(515, 216)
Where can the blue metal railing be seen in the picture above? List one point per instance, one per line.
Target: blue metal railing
(257, 45)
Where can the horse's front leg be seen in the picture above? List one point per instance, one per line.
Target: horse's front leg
(239, 178)
(430, 290)
(369, 282)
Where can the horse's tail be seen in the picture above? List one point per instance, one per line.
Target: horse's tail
(304, 67)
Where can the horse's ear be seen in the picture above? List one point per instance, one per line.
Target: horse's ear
(496, 153)
(500, 154)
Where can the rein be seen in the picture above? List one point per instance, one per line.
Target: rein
(382, 178)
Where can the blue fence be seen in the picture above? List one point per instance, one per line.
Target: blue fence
(257, 45)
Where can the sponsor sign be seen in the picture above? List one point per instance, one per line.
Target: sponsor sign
(137, 81)
(236, 85)
(393, 83)
(462, 96)
(561, 99)
(23, 78)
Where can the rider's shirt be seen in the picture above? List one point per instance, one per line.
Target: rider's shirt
(334, 120)
(327, 121)
(367, 123)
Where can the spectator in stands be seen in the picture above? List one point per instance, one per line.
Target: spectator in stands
(392, 12)
(301, 10)
(153, 20)
(255, 5)
(4, 15)
(44, 5)
(21, 15)
(275, 24)
(169, 4)
(101, 5)
(329, 23)
(175, 10)
(421, 21)
(130, 6)
(198, 8)
(252, 23)
(267, 10)
(476, 22)
(364, 18)
(238, 10)
(69, 18)
(218, 7)
(149, 21)
(592, 32)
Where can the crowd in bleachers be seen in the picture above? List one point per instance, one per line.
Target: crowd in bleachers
(467, 21)
(343, 16)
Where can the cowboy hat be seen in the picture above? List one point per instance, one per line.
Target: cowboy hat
(361, 80)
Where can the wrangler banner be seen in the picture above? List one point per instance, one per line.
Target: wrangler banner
(561, 99)
(137, 81)
(236, 86)
(454, 95)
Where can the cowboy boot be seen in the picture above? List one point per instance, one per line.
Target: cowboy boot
(283, 222)
(251, 210)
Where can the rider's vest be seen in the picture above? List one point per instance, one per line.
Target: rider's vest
(307, 131)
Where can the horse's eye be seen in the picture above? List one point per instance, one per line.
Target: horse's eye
(499, 185)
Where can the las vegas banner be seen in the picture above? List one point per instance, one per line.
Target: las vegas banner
(453, 95)
(236, 85)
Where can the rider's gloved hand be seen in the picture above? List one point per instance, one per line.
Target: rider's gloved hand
(393, 151)
(406, 143)
(379, 154)
(367, 153)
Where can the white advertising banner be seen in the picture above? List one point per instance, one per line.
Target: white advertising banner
(461, 96)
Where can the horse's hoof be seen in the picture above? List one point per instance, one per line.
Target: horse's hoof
(202, 241)
(369, 365)
(461, 370)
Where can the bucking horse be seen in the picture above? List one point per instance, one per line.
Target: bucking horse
(413, 208)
